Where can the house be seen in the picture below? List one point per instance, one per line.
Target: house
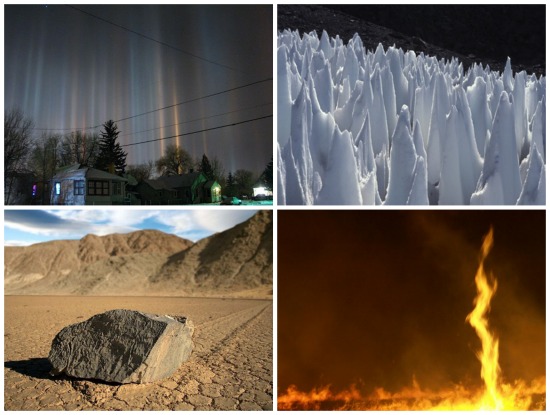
(260, 190)
(132, 195)
(211, 192)
(20, 188)
(182, 189)
(82, 185)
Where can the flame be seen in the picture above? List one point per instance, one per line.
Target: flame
(496, 395)
(315, 398)
(490, 369)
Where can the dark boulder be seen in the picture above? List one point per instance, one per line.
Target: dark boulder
(122, 346)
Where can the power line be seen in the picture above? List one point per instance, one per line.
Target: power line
(196, 132)
(155, 40)
(196, 119)
(193, 100)
(158, 109)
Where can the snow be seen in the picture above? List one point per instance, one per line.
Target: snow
(501, 158)
(403, 159)
(388, 127)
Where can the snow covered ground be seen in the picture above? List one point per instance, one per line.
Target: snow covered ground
(396, 128)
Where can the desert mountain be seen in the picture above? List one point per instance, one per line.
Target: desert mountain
(238, 261)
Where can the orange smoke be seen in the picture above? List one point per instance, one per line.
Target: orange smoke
(495, 395)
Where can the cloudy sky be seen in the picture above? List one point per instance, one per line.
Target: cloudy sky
(25, 227)
(73, 67)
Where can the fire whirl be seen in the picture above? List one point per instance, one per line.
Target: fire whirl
(495, 395)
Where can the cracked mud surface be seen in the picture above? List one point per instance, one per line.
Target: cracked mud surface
(231, 367)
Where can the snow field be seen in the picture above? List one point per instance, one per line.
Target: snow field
(397, 128)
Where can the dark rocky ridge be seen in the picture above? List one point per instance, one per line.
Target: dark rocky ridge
(486, 34)
(231, 262)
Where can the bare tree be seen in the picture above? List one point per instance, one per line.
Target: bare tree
(218, 171)
(141, 171)
(244, 180)
(44, 160)
(79, 148)
(17, 147)
(174, 161)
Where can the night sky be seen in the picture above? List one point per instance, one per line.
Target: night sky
(376, 298)
(66, 69)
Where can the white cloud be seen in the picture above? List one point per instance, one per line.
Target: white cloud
(28, 228)
(18, 243)
(106, 221)
(124, 218)
(131, 217)
(218, 221)
(179, 222)
(40, 224)
(202, 222)
(87, 216)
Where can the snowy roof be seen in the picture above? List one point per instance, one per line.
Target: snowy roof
(100, 174)
(132, 181)
(77, 170)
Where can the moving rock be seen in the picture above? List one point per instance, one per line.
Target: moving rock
(123, 346)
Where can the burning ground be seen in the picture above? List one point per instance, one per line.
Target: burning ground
(373, 314)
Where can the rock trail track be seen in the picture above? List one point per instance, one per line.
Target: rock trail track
(231, 367)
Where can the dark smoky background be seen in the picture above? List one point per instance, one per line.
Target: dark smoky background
(378, 298)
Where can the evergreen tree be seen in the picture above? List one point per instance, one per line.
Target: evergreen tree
(267, 175)
(206, 168)
(230, 185)
(111, 156)
(218, 171)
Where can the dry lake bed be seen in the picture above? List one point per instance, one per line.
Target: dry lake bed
(231, 367)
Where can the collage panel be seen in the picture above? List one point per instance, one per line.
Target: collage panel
(411, 310)
(411, 105)
(138, 105)
(119, 309)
